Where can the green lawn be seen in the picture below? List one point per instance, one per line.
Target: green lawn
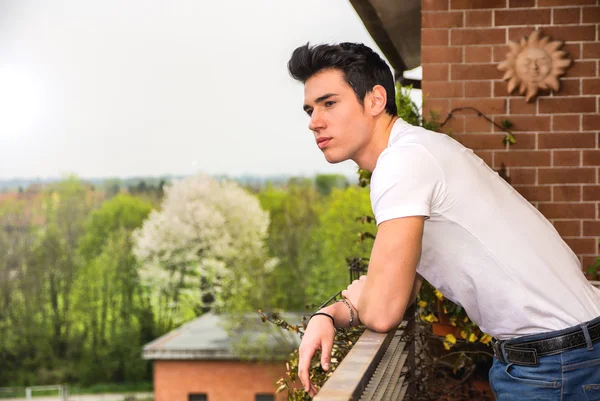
(112, 388)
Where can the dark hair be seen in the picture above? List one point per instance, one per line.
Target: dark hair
(361, 66)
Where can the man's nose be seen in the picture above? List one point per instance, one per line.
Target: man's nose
(316, 121)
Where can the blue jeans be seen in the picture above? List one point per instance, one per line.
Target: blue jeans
(572, 375)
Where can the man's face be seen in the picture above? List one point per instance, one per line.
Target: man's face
(338, 121)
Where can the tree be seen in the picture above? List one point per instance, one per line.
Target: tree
(17, 326)
(112, 187)
(325, 183)
(294, 215)
(112, 309)
(337, 239)
(67, 206)
(204, 249)
(71, 307)
(38, 233)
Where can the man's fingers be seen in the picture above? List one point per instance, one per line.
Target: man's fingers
(326, 346)
(304, 367)
(364, 277)
(345, 293)
(317, 337)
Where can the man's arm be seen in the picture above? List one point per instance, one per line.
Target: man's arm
(392, 283)
(416, 289)
(379, 299)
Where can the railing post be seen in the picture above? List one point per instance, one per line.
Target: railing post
(411, 361)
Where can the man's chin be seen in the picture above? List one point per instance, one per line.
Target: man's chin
(334, 159)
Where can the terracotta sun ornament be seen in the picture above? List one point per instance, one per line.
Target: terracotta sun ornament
(533, 64)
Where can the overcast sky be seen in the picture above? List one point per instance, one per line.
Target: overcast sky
(148, 87)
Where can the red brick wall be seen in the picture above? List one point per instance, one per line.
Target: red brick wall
(555, 163)
(220, 380)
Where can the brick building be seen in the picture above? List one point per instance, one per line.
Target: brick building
(200, 361)
(555, 162)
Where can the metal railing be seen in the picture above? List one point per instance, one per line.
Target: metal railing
(375, 369)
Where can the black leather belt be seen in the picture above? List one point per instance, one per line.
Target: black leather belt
(527, 353)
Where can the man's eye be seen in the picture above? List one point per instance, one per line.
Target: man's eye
(329, 103)
(309, 112)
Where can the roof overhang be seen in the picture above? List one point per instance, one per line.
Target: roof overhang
(396, 28)
(210, 355)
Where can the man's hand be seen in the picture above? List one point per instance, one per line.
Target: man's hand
(353, 292)
(319, 335)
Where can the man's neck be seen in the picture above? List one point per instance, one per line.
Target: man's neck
(367, 157)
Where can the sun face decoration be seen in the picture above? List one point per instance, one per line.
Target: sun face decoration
(534, 64)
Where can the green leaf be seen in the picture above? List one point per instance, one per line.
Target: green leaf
(509, 139)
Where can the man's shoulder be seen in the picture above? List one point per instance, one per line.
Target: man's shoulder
(408, 134)
(405, 160)
(429, 145)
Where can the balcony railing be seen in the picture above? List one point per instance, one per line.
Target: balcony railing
(375, 369)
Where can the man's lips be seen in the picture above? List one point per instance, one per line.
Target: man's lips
(323, 141)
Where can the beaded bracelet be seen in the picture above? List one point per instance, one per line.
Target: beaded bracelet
(350, 309)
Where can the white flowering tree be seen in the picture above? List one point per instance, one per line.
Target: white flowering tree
(205, 247)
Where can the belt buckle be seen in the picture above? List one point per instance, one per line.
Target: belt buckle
(523, 356)
(497, 350)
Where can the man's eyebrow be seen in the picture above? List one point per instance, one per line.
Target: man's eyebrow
(320, 99)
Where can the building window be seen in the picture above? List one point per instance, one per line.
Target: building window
(265, 397)
(197, 397)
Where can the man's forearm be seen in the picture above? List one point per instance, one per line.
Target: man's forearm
(416, 289)
(379, 315)
(383, 313)
(392, 271)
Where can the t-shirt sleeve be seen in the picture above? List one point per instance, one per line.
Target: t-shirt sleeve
(406, 182)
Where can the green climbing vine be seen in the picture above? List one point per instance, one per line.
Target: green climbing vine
(505, 125)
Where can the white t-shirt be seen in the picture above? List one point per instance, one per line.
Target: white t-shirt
(485, 247)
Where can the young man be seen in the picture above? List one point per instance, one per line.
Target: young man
(445, 216)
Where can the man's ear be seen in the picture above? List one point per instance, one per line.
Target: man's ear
(377, 100)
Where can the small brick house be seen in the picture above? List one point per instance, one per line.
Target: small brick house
(200, 361)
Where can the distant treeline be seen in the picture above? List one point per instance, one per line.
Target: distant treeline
(90, 272)
(254, 181)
